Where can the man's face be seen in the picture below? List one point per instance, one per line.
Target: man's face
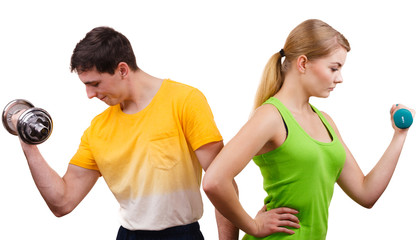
(103, 86)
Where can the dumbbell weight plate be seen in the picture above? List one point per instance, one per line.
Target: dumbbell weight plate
(12, 108)
(34, 126)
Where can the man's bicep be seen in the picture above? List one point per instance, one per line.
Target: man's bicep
(206, 153)
(79, 181)
(198, 121)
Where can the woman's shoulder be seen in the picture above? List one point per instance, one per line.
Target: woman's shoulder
(327, 117)
(267, 111)
(273, 126)
(269, 116)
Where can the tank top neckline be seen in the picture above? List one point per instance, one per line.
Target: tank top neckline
(321, 117)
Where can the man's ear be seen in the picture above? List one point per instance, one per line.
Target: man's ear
(123, 69)
(301, 63)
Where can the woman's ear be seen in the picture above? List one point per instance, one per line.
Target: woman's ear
(301, 63)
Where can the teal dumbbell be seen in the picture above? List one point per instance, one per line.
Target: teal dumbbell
(403, 118)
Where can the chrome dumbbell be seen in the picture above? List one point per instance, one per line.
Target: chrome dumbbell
(34, 125)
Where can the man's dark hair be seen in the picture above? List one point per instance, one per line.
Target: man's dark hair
(102, 48)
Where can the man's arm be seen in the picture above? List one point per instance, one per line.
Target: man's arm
(61, 195)
(206, 154)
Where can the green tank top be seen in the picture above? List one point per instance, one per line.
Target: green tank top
(301, 174)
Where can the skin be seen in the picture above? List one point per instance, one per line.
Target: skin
(265, 131)
(133, 90)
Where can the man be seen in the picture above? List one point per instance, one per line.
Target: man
(150, 145)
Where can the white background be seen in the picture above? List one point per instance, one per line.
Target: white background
(221, 48)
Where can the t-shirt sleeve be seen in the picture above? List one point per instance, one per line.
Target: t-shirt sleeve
(84, 157)
(198, 121)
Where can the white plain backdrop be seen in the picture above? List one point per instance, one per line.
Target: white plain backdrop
(221, 48)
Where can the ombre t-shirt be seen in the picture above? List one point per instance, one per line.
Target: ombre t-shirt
(147, 159)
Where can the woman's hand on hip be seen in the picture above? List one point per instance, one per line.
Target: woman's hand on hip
(275, 220)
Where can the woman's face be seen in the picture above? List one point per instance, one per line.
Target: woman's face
(323, 74)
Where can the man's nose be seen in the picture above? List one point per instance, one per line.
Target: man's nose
(91, 93)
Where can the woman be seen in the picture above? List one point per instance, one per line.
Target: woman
(299, 149)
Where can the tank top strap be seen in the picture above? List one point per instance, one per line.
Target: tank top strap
(326, 123)
(284, 112)
(291, 122)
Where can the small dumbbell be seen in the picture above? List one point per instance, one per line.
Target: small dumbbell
(403, 118)
(34, 125)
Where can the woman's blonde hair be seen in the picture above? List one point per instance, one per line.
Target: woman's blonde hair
(312, 38)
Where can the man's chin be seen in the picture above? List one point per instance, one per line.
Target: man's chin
(106, 101)
(110, 103)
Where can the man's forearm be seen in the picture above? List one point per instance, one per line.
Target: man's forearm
(226, 229)
(48, 182)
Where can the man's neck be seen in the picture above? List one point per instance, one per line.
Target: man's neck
(142, 88)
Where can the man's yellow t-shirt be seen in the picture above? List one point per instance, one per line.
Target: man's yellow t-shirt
(147, 159)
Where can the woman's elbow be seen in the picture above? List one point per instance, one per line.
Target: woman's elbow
(368, 203)
(59, 214)
(210, 185)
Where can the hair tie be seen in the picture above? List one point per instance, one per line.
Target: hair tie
(282, 53)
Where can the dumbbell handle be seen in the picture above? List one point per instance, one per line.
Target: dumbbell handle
(403, 118)
(39, 129)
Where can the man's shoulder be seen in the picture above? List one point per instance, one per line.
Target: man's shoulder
(179, 85)
(104, 114)
(178, 90)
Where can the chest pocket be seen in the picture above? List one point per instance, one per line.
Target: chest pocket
(165, 152)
